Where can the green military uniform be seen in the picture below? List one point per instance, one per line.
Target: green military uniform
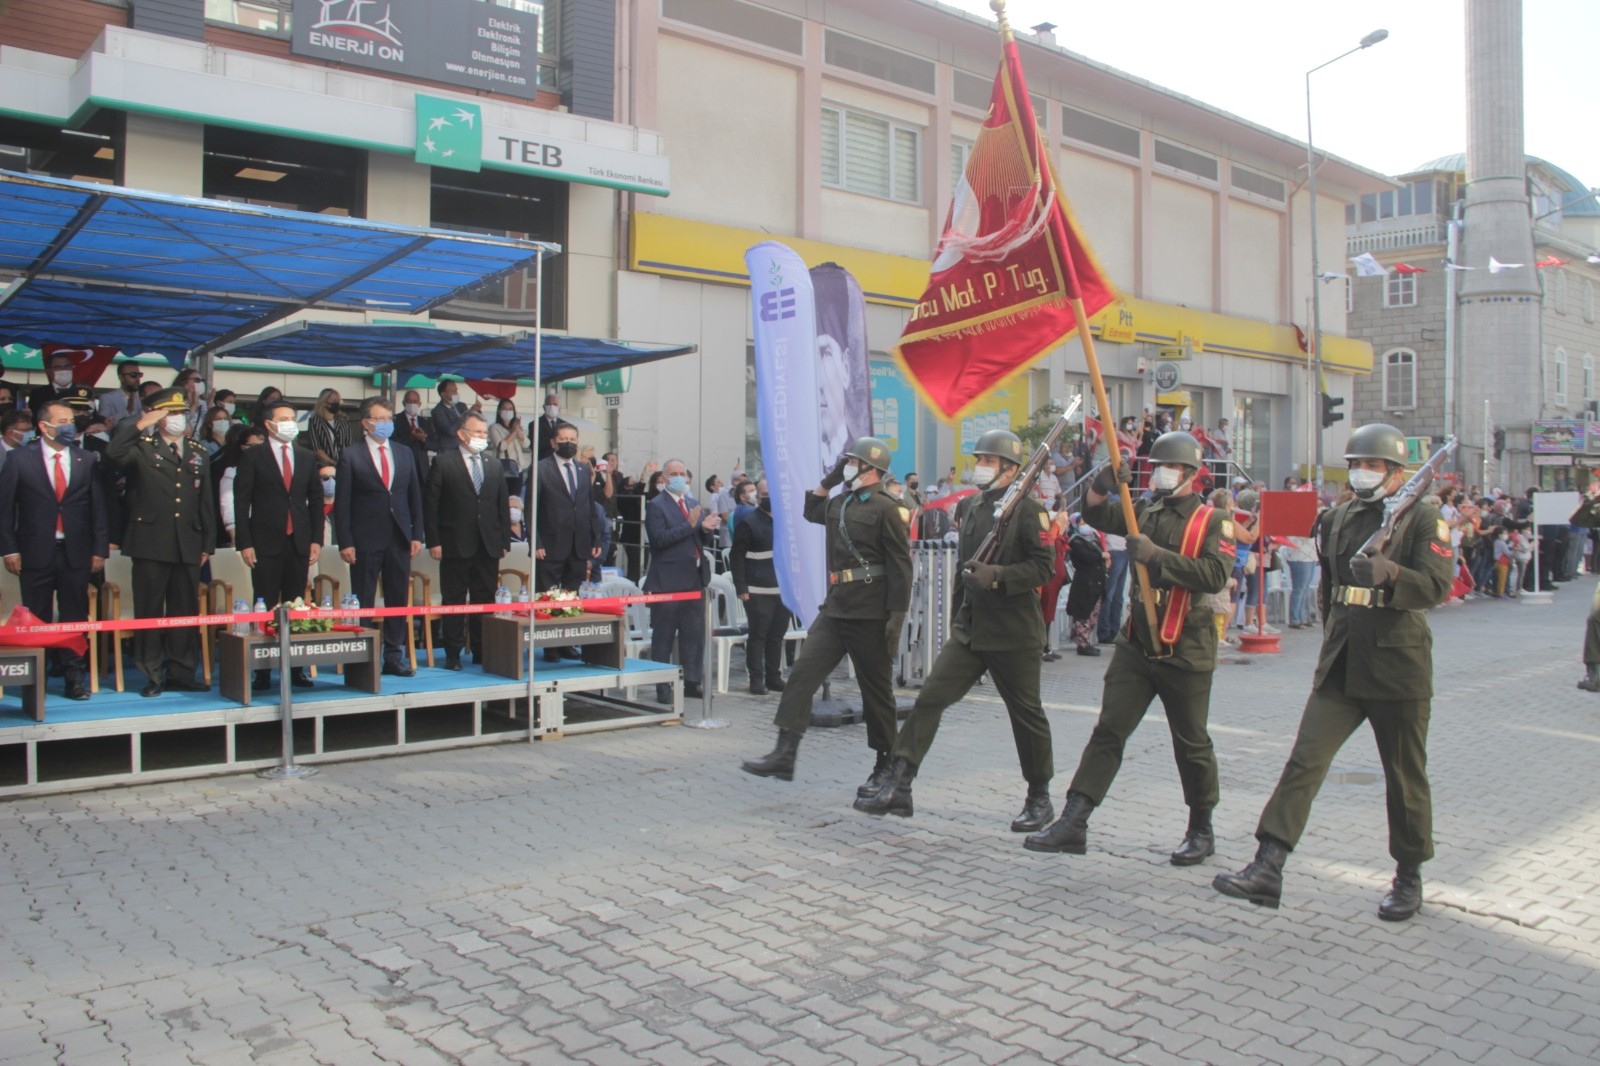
(1587, 516)
(999, 630)
(171, 524)
(869, 579)
(1376, 666)
(1181, 675)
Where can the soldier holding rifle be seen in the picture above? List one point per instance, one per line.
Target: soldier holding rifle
(996, 626)
(1386, 558)
(1186, 548)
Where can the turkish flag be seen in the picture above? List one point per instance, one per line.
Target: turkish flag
(1300, 339)
(1407, 268)
(1550, 261)
(495, 390)
(1007, 267)
(87, 363)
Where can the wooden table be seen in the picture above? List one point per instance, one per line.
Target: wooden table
(24, 668)
(239, 656)
(506, 644)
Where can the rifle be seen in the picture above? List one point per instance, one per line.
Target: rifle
(1006, 507)
(1400, 504)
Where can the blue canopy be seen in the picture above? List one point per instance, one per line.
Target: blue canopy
(104, 264)
(424, 350)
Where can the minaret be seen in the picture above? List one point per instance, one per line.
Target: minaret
(1498, 350)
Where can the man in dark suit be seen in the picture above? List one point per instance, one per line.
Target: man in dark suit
(567, 534)
(467, 515)
(447, 416)
(414, 430)
(278, 519)
(171, 531)
(549, 422)
(53, 529)
(674, 523)
(377, 521)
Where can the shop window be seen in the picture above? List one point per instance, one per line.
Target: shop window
(870, 155)
(269, 171)
(503, 204)
(1400, 290)
(1399, 379)
(88, 153)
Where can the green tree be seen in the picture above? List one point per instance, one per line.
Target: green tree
(1039, 425)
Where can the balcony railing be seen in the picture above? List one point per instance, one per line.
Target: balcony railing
(1395, 234)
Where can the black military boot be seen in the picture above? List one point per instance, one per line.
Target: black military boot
(1199, 842)
(1070, 833)
(779, 762)
(1405, 894)
(1262, 881)
(878, 778)
(1591, 678)
(1037, 810)
(895, 795)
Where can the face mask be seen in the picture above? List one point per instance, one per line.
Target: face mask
(567, 449)
(62, 378)
(286, 431)
(1165, 478)
(1365, 483)
(516, 516)
(506, 417)
(382, 430)
(982, 475)
(27, 436)
(851, 472)
(912, 484)
(199, 386)
(175, 425)
(551, 410)
(765, 504)
(327, 486)
(66, 435)
(896, 493)
(677, 485)
(413, 410)
(477, 444)
(749, 499)
(228, 407)
(219, 429)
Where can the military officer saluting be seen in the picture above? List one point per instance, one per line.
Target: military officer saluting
(869, 588)
(996, 626)
(1376, 666)
(1188, 549)
(170, 533)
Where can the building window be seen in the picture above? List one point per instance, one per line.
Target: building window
(1186, 160)
(1588, 378)
(1257, 184)
(738, 19)
(1415, 198)
(876, 61)
(273, 171)
(1400, 290)
(504, 204)
(870, 155)
(1400, 379)
(960, 152)
(1100, 132)
(1559, 283)
(1349, 294)
(268, 16)
(1588, 301)
(1558, 378)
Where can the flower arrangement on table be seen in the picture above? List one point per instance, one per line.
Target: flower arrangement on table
(305, 625)
(564, 596)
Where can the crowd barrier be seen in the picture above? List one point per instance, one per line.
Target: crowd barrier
(934, 568)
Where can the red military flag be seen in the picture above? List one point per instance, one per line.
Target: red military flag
(1008, 264)
(1407, 268)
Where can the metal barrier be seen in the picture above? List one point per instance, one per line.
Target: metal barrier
(933, 576)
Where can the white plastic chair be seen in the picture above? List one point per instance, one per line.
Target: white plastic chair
(636, 619)
(729, 626)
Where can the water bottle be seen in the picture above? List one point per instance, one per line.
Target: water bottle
(523, 598)
(352, 603)
(240, 628)
(327, 601)
(502, 596)
(260, 608)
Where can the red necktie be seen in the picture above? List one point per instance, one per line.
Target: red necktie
(383, 457)
(61, 491)
(288, 480)
(685, 509)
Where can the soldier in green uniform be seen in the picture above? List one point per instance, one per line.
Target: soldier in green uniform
(1376, 666)
(996, 626)
(869, 588)
(171, 531)
(1188, 550)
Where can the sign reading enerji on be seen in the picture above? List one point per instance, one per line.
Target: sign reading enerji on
(449, 133)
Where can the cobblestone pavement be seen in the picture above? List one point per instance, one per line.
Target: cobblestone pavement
(632, 897)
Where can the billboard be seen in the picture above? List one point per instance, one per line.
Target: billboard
(458, 42)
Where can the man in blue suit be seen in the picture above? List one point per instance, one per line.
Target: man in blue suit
(377, 521)
(53, 528)
(674, 523)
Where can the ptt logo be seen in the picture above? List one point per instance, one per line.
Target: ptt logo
(776, 305)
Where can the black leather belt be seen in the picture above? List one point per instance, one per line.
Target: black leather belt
(860, 573)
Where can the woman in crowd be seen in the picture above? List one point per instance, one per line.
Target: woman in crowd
(224, 465)
(1090, 559)
(1050, 592)
(509, 440)
(270, 396)
(328, 429)
(216, 426)
(1301, 555)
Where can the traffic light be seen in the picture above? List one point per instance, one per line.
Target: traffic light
(1499, 443)
(1330, 410)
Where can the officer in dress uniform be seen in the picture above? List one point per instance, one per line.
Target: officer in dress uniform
(997, 626)
(869, 588)
(1376, 666)
(171, 531)
(80, 398)
(1187, 548)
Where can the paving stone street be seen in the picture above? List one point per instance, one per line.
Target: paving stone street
(632, 897)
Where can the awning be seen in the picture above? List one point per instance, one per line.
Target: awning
(89, 258)
(430, 351)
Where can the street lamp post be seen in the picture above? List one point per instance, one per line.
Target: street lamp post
(1316, 268)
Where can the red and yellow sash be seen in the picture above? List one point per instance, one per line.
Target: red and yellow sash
(1194, 538)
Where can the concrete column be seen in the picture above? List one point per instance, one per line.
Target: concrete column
(399, 189)
(162, 155)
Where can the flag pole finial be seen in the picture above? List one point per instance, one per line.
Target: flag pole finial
(999, 9)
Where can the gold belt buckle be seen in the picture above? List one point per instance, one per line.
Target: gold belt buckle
(1358, 597)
